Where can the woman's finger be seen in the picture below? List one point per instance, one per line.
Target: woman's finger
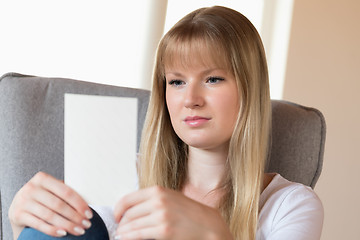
(64, 192)
(140, 210)
(49, 217)
(42, 226)
(135, 198)
(147, 221)
(156, 232)
(57, 205)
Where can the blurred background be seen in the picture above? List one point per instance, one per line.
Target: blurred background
(312, 47)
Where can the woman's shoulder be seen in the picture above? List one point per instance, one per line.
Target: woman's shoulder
(280, 188)
(289, 207)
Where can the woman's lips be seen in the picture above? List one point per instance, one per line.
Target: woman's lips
(196, 121)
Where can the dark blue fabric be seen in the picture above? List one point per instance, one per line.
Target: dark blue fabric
(97, 231)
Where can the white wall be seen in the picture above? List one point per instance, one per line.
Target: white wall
(107, 41)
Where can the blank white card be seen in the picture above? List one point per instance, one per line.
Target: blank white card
(100, 147)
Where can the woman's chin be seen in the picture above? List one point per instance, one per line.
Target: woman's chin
(209, 146)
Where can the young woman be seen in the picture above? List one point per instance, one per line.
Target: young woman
(202, 153)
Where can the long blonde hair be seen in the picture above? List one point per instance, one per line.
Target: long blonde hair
(232, 42)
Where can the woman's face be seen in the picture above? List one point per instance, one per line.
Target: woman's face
(203, 104)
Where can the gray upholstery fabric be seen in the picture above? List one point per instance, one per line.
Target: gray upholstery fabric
(298, 139)
(31, 133)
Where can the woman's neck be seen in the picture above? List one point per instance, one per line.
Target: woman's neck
(205, 174)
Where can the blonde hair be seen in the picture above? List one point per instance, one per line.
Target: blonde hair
(232, 42)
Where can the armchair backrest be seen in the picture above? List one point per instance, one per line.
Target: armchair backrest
(32, 134)
(298, 140)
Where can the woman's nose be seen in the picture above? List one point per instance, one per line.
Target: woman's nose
(193, 97)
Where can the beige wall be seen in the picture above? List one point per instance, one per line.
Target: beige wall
(323, 71)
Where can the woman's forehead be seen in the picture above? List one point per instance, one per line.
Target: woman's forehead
(180, 62)
(194, 57)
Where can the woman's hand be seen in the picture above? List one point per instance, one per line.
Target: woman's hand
(48, 205)
(159, 213)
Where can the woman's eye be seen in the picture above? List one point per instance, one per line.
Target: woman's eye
(213, 80)
(176, 82)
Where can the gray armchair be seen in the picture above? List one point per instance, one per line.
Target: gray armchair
(32, 135)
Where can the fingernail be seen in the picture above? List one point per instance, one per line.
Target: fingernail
(86, 223)
(88, 214)
(118, 237)
(61, 233)
(79, 230)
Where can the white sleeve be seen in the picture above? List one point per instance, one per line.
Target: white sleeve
(299, 216)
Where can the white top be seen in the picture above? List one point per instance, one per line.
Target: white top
(288, 210)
